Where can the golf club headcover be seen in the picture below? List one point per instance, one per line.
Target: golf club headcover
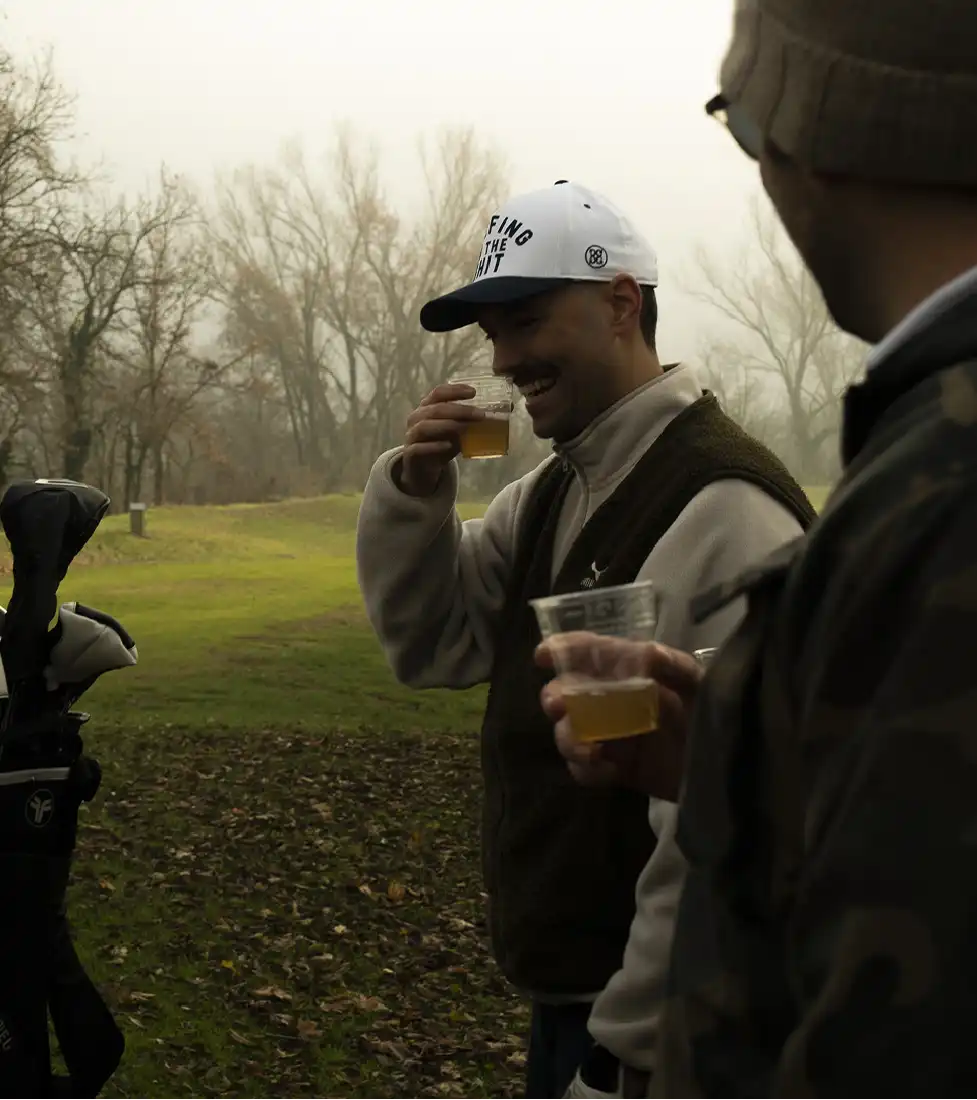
(84, 644)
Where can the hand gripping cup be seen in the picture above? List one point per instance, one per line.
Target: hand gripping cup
(487, 438)
(607, 694)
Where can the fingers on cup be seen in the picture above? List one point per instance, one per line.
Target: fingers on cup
(448, 392)
(571, 748)
(674, 668)
(552, 702)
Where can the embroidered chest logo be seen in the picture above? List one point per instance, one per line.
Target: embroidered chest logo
(595, 575)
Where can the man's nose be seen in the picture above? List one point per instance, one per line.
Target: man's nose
(505, 357)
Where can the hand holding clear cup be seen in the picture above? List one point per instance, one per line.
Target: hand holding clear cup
(601, 677)
(487, 437)
(468, 415)
(620, 703)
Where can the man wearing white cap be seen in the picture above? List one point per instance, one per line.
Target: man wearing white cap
(649, 479)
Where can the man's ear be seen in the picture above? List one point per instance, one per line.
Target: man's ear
(624, 296)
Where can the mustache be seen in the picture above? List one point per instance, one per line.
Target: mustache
(533, 371)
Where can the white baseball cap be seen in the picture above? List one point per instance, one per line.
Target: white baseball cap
(538, 241)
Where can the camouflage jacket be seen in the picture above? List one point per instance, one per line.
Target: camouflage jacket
(826, 943)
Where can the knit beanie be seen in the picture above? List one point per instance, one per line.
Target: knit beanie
(882, 90)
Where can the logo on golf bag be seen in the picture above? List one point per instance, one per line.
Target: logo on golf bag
(39, 809)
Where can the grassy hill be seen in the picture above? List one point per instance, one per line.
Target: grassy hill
(247, 616)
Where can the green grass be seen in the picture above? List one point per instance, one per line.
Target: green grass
(278, 884)
(248, 617)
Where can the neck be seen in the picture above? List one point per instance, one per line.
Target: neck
(639, 369)
(617, 380)
(921, 253)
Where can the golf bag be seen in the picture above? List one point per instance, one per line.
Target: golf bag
(44, 778)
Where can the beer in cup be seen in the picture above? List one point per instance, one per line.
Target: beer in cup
(606, 692)
(489, 437)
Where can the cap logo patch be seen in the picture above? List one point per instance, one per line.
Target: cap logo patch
(501, 233)
(596, 256)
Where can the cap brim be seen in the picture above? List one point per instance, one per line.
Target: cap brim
(746, 133)
(461, 307)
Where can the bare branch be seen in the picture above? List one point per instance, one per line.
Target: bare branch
(784, 343)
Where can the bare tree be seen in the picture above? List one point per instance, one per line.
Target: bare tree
(325, 280)
(785, 347)
(158, 370)
(85, 276)
(408, 264)
(242, 438)
(36, 115)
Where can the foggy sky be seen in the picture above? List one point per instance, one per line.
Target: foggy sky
(612, 98)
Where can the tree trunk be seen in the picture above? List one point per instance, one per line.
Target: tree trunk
(159, 471)
(6, 453)
(135, 460)
(106, 476)
(77, 434)
(76, 450)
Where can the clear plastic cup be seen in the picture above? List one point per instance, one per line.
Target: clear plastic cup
(489, 437)
(607, 694)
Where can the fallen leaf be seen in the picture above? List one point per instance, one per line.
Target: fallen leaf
(424, 986)
(307, 1029)
(273, 991)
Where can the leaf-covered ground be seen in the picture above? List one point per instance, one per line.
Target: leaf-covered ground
(298, 915)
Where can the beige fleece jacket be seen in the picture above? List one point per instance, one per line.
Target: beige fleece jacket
(434, 587)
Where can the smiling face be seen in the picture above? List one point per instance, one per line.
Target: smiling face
(568, 351)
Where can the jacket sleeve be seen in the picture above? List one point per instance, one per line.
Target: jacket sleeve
(882, 949)
(727, 527)
(434, 585)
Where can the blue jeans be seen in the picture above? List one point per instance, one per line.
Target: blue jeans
(558, 1043)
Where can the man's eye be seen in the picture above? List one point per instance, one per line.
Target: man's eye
(525, 322)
